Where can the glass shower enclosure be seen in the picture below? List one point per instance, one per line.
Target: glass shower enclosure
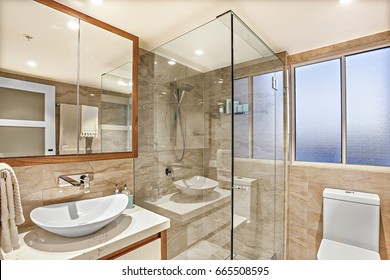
(211, 142)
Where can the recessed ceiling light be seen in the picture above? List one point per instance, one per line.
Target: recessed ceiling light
(345, 2)
(73, 25)
(31, 63)
(96, 2)
(171, 62)
(199, 52)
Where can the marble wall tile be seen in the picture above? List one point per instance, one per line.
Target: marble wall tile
(206, 132)
(38, 184)
(306, 185)
(156, 122)
(115, 141)
(177, 239)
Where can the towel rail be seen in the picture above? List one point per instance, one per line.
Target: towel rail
(3, 174)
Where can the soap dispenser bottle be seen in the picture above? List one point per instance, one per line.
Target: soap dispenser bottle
(116, 190)
(130, 203)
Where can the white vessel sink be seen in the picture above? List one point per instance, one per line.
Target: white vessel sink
(79, 218)
(195, 185)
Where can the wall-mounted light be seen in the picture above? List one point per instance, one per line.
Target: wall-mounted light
(171, 62)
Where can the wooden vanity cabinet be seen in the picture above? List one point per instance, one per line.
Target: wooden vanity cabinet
(153, 247)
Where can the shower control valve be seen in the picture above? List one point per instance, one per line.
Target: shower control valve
(169, 171)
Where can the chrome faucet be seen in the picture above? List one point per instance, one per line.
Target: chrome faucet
(77, 180)
(84, 180)
(68, 179)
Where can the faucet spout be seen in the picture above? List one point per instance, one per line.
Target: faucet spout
(70, 180)
(82, 180)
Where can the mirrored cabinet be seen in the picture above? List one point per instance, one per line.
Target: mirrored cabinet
(68, 86)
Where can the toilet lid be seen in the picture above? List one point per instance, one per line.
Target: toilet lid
(332, 250)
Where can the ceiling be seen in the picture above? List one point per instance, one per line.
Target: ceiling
(37, 41)
(284, 25)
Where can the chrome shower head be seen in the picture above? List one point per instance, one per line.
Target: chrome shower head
(183, 89)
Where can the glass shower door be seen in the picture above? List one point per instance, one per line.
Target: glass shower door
(257, 147)
(198, 164)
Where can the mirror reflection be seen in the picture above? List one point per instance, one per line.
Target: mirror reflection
(65, 84)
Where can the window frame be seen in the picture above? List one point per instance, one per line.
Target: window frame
(343, 163)
(250, 114)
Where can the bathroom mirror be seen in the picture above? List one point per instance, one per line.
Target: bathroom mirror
(78, 77)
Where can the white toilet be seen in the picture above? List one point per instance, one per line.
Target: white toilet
(350, 226)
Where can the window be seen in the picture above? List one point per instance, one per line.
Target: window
(344, 102)
(258, 133)
(241, 121)
(267, 117)
(368, 107)
(318, 112)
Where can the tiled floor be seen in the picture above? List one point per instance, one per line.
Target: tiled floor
(205, 250)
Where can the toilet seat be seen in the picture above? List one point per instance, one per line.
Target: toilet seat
(332, 250)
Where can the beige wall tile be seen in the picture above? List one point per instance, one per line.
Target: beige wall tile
(38, 184)
(305, 204)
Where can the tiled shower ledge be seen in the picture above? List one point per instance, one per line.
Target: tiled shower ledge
(130, 227)
(182, 208)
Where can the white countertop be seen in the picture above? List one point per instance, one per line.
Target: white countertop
(130, 227)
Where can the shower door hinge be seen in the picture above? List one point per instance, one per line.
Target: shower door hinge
(274, 83)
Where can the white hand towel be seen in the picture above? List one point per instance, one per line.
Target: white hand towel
(19, 218)
(11, 208)
(89, 121)
(6, 243)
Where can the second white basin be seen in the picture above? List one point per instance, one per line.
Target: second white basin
(79, 218)
(195, 185)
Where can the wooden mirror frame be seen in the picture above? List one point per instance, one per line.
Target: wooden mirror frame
(37, 160)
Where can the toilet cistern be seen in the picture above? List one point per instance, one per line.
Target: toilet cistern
(351, 224)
